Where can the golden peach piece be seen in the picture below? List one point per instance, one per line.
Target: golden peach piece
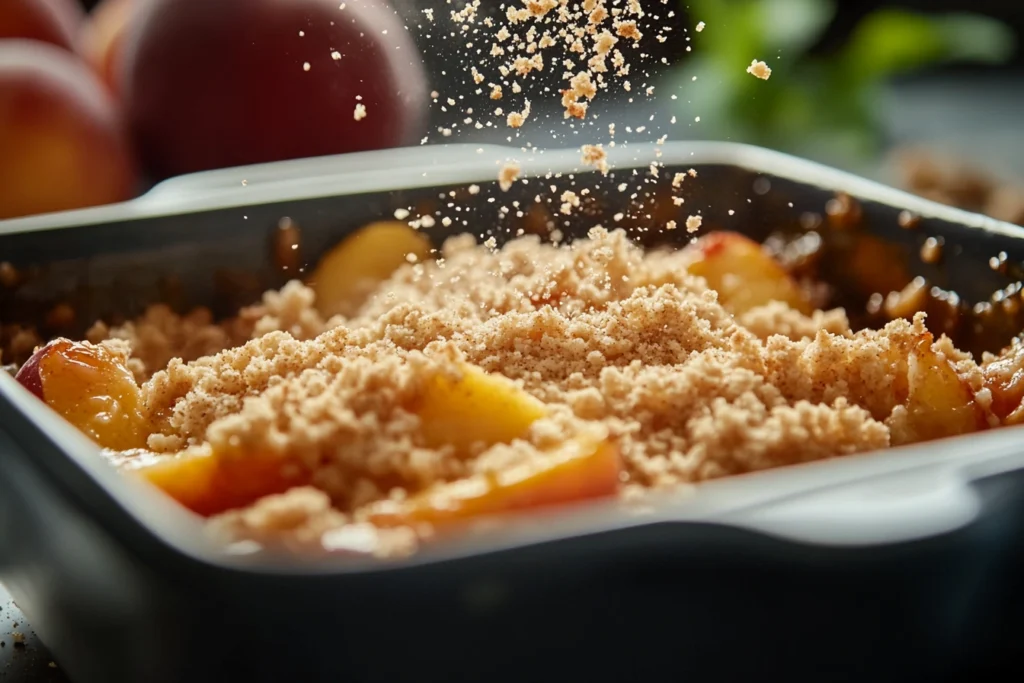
(208, 483)
(742, 273)
(939, 403)
(351, 270)
(581, 469)
(476, 408)
(92, 389)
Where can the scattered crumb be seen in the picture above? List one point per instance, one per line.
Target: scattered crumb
(570, 200)
(931, 250)
(508, 174)
(760, 70)
(594, 155)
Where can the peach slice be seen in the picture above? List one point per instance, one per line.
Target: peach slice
(91, 388)
(475, 408)
(208, 483)
(743, 274)
(580, 469)
(939, 403)
(349, 271)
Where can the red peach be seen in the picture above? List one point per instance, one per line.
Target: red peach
(102, 37)
(51, 21)
(233, 82)
(63, 142)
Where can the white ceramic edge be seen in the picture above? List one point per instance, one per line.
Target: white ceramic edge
(413, 167)
(832, 502)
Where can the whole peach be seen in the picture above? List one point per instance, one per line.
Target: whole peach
(102, 37)
(63, 143)
(51, 21)
(233, 82)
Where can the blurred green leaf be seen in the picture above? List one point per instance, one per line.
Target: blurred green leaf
(974, 38)
(818, 106)
(888, 42)
(793, 26)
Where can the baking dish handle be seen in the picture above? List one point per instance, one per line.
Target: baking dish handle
(891, 507)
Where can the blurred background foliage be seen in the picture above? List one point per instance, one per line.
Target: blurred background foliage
(818, 103)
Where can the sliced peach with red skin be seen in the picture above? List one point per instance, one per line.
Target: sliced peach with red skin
(743, 273)
(581, 469)
(91, 388)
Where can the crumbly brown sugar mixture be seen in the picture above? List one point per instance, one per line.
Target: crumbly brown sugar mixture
(616, 342)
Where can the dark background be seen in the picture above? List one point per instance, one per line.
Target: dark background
(1010, 11)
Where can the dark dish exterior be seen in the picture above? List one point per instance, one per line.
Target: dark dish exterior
(896, 566)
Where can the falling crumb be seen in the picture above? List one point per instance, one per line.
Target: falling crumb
(496, 92)
(760, 70)
(677, 180)
(594, 155)
(693, 223)
(908, 220)
(306, 66)
(678, 201)
(474, 189)
(515, 119)
(508, 174)
(335, 55)
(401, 214)
(628, 29)
(700, 26)
(583, 86)
(604, 42)
(931, 250)
(360, 112)
(18, 638)
(671, 225)
(569, 201)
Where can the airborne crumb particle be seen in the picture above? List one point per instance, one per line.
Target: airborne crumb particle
(760, 70)
(508, 174)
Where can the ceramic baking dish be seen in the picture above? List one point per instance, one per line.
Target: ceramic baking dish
(893, 566)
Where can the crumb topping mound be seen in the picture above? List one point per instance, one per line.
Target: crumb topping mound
(604, 334)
